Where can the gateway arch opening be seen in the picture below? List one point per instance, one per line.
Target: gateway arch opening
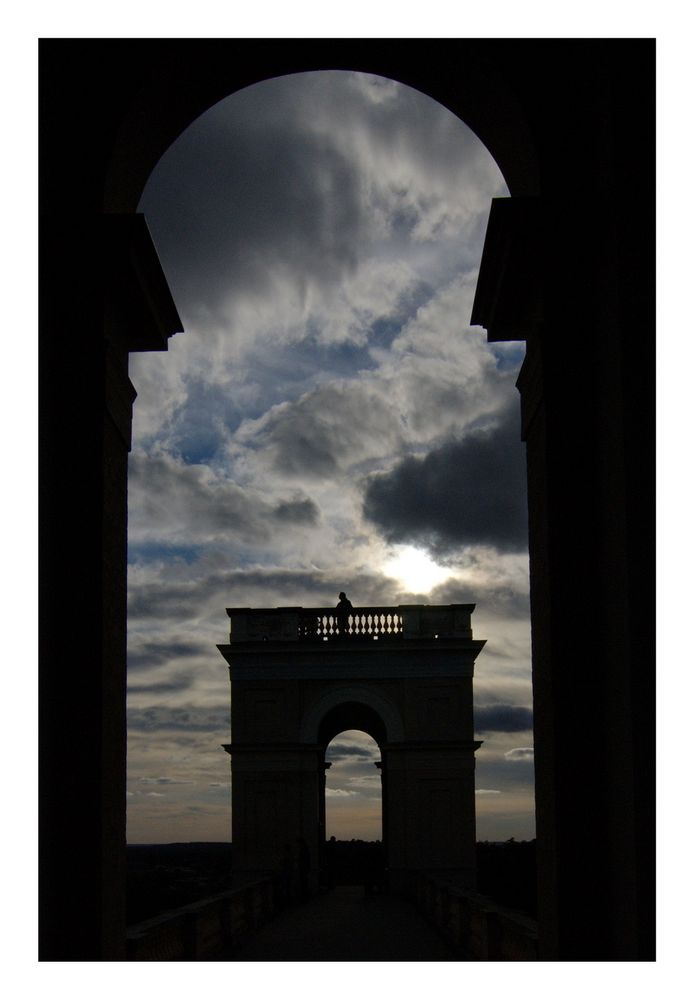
(354, 852)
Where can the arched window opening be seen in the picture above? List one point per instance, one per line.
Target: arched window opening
(327, 422)
(353, 809)
(353, 788)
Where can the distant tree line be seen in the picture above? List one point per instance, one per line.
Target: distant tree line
(165, 876)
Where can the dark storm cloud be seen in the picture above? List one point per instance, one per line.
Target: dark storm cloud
(465, 492)
(503, 719)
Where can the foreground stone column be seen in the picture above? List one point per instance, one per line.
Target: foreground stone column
(582, 405)
(103, 295)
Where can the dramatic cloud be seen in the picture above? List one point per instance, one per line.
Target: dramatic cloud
(466, 492)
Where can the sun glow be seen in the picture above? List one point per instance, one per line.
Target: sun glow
(415, 570)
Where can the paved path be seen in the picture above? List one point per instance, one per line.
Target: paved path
(344, 925)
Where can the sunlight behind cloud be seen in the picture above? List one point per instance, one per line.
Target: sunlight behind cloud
(415, 570)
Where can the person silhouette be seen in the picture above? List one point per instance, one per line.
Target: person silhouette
(343, 608)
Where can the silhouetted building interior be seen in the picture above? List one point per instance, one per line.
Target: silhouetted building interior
(567, 267)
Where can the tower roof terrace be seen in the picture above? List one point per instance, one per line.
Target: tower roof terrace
(405, 622)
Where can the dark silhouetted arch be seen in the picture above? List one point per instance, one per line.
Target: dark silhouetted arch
(351, 715)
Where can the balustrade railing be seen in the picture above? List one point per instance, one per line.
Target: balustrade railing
(314, 623)
(477, 927)
(210, 928)
(324, 624)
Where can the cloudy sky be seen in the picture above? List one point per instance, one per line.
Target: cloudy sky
(328, 421)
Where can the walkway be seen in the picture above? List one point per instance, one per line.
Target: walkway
(344, 925)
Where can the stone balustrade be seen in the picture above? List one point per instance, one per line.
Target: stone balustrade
(209, 927)
(406, 621)
(374, 623)
(478, 929)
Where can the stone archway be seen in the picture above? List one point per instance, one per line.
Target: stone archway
(403, 675)
(347, 695)
(570, 123)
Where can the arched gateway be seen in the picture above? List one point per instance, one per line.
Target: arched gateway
(404, 676)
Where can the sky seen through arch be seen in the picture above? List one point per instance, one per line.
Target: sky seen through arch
(327, 422)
